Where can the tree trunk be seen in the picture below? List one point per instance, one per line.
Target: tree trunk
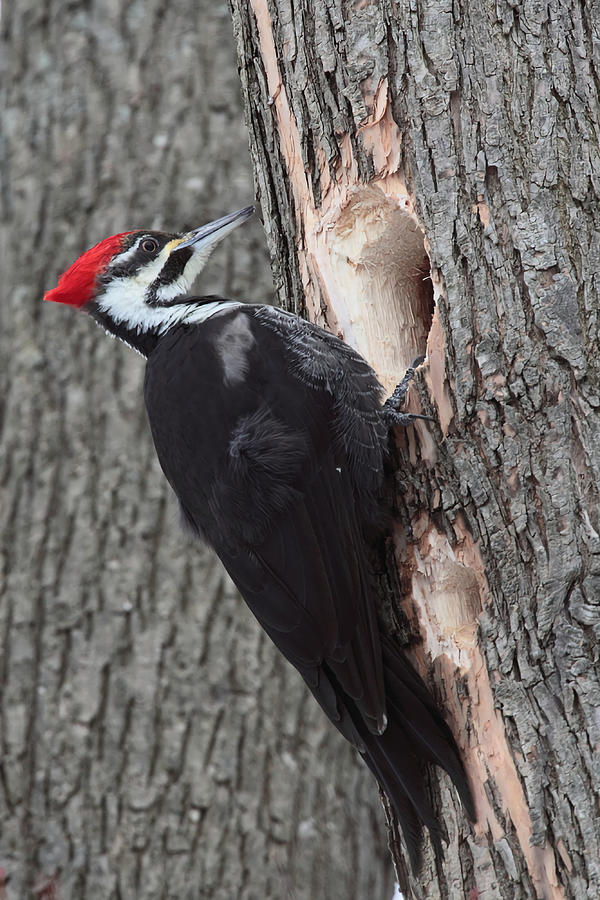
(153, 744)
(429, 176)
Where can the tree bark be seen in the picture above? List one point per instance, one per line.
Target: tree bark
(153, 744)
(400, 141)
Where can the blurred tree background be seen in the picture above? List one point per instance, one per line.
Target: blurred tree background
(152, 742)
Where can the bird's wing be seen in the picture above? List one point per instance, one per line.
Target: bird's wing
(256, 459)
(307, 582)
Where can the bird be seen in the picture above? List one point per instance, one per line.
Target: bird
(273, 435)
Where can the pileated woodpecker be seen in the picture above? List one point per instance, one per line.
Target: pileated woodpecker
(272, 434)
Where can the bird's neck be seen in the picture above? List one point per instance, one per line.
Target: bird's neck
(143, 337)
(142, 341)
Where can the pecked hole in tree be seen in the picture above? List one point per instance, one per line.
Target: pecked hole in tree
(381, 268)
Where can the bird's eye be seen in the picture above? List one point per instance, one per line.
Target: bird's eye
(149, 245)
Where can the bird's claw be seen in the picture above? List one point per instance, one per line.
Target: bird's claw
(391, 406)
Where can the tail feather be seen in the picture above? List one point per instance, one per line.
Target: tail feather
(415, 732)
(406, 812)
(400, 773)
(413, 706)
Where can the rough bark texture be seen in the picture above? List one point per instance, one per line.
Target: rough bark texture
(480, 122)
(152, 743)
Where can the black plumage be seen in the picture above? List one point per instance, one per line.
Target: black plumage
(271, 433)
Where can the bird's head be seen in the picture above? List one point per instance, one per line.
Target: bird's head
(138, 280)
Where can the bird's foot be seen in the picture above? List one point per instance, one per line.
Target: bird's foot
(390, 408)
(400, 390)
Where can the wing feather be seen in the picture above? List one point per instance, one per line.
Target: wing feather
(277, 496)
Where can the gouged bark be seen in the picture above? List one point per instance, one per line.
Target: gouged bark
(152, 742)
(352, 231)
(476, 124)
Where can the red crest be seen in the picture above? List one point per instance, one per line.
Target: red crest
(76, 285)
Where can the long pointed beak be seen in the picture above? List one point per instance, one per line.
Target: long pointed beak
(214, 231)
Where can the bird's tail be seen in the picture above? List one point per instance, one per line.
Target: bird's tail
(415, 732)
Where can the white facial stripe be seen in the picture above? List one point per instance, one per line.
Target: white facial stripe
(125, 255)
(176, 288)
(125, 305)
(125, 299)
